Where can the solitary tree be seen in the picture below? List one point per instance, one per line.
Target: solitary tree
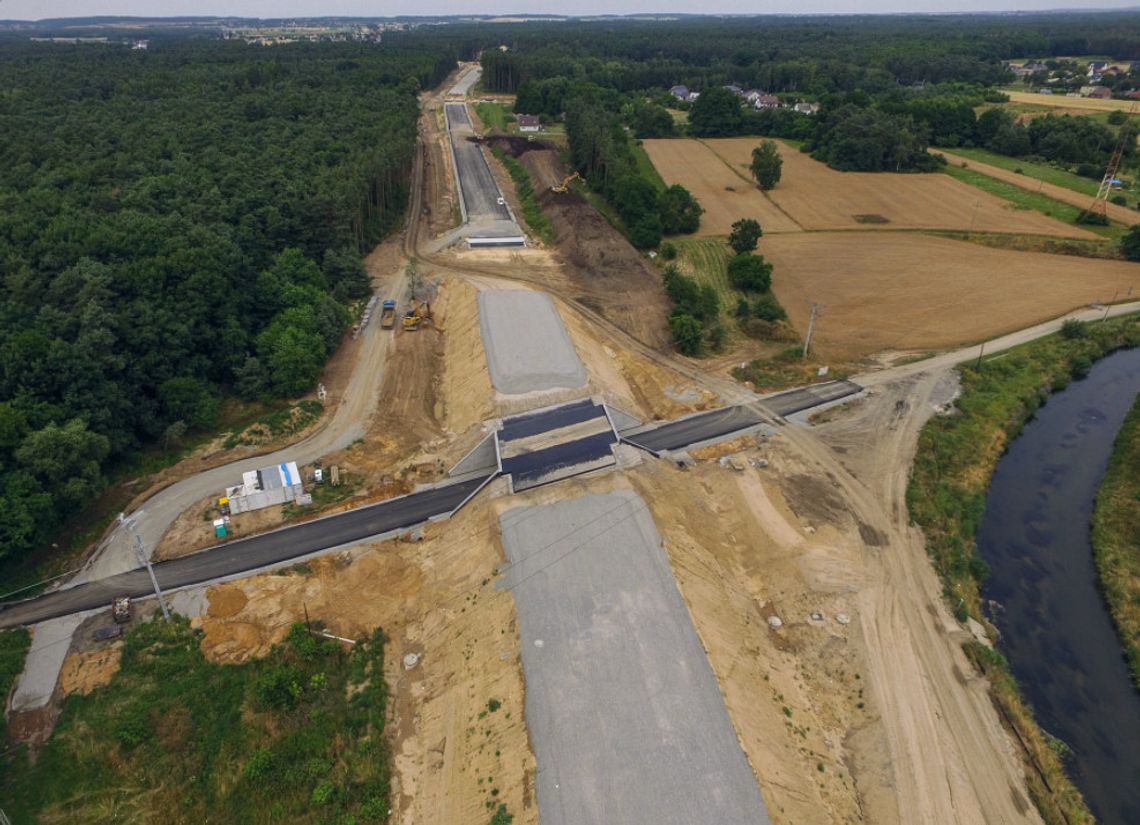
(767, 164)
(745, 233)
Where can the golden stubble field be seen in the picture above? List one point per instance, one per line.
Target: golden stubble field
(725, 195)
(820, 198)
(908, 291)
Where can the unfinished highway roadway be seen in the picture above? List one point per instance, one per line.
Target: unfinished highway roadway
(557, 460)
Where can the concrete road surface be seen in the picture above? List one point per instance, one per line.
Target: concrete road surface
(482, 200)
(627, 720)
(466, 81)
(527, 345)
(247, 554)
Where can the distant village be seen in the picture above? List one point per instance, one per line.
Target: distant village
(1101, 79)
(755, 97)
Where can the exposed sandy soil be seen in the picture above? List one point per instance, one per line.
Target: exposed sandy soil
(901, 291)
(1128, 217)
(435, 599)
(726, 194)
(83, 672)
(819, 197)
(1083, 105)
(609, 276)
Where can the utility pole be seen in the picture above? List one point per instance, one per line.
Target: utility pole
(141, 552)
(815, 310)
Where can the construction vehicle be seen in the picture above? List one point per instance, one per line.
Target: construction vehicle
(121, 609)
(419, 312)
(388, 315)
(566, 181)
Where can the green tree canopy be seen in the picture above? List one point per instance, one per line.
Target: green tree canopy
(767, 165)
(680, 211)
(745, 234)
(750, 273)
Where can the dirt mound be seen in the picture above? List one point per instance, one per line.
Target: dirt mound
(612, 277)
(515, 145)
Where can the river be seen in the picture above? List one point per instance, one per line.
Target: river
(1055, 627)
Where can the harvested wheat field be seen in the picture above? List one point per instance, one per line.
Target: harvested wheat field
(726, 196)
(904, 291)
(818, 197)
(1081, 104)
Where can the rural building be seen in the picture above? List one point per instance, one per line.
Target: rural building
(265, 487)
(806, 108)
(680, 92)
(736, 90)
(1099, 92)
(767, 102)
(1020, 72)
(529, 123)
(1096, 67)
(694, 96)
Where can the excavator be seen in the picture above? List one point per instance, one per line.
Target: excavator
(419, 312)
(562, 187)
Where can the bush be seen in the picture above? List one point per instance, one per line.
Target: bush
(767, 308)
(278, 687)
(1090, 218)
(688, 333)
(1130, 244)
(1080, 365)
(679, 211)
(750, 273)
(1119, 200)
(668, 251)
(1074, 329)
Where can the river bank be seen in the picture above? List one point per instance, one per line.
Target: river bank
(1116, 538)
(955, 461)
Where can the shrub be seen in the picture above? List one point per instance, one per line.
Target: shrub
(1080, 365)
(688, 333)
(668, 251)
(1092, 218)
(750, 273)
(1119, 200)
(1130, 244)
(278, 687)
(767, 308)
(1074, 329)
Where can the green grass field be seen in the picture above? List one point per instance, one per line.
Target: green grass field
(494, 115)
(706, 260)
(295, 737)
(645, 166)
(1025, 199)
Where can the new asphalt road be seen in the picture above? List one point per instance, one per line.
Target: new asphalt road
(481, 196)
(248, 554)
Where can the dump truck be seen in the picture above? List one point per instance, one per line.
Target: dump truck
(388, 315)
(121, 609)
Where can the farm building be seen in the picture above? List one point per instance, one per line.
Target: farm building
(265, 487)
(529, 123)
(767, 102)
(1099, 92)
(680, 92)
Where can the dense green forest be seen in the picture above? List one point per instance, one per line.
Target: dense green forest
(177, 224)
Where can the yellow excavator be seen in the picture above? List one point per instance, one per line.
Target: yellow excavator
(419, 312)
(562, 187)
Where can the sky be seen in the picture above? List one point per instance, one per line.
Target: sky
(39, 9)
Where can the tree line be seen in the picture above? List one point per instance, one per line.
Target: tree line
(177, 225)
